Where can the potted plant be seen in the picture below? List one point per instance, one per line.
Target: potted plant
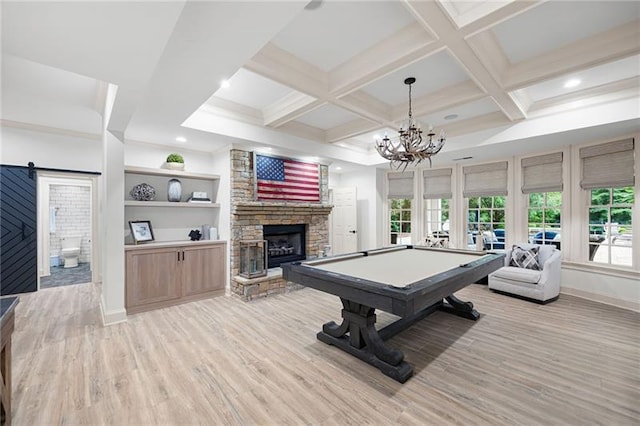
(175, 162)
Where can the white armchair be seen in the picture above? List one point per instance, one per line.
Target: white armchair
(542, 286)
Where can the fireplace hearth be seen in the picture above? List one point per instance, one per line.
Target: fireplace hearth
(285, 243)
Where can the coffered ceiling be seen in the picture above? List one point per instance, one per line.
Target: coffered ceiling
(325, 79)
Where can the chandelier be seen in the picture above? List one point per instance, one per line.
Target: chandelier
(410, 147)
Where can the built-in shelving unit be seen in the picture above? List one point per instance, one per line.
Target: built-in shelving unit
(169, 173)
(171, 220)
(133, 203)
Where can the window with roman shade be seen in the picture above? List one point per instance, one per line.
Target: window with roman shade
(608, 165)
(400, 185)
(485, 180)
(542, 173)
(437, 184)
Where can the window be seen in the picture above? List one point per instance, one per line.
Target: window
(437, 194)
(610, 227)
(400, 220)
(486, 217)
(544, 212)
(436, 220)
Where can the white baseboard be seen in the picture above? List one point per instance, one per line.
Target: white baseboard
(625, 304)
(112, 317)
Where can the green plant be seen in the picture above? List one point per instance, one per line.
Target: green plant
(175, 158)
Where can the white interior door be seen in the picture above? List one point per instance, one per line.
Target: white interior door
(344, 229)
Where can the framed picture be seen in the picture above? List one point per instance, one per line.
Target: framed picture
(141, 231)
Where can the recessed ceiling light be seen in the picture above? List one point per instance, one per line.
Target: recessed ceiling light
(338, 168)
(264, 149)
(224, 84)
(451, 117)
(181, 139)
(572, 83)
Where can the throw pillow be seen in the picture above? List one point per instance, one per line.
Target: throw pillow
(525, 258)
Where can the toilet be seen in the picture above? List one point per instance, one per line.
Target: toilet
(70, 251)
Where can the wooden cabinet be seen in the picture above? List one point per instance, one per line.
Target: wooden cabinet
(164, 274)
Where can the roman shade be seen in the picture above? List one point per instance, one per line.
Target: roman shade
(542, 173)
(485, 180)
(607, 165)
(437, 183)
(400, 185)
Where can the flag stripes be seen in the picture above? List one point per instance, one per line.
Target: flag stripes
(287, 180)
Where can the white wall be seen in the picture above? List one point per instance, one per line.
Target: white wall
(601, 287)
(112, 235)
(20, 146)
(368, 205)
(72, 206)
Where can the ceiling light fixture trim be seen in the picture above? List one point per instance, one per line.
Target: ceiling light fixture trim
(410, 147)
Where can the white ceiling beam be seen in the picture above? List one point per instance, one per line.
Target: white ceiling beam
(408, 45)
(366, 106)
(475, 124)
(287, 69)
(434, 18)
(351, 129)
(502, 14)
(445, 98)
(612, 92)
(605, 47)
(304, 131)
(289, 108)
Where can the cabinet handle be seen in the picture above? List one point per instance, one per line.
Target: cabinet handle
(183, 256)
(178, 256)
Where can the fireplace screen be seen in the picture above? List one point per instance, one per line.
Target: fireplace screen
(253, 258)
(285, 243)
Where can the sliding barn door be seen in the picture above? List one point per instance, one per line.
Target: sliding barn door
(18, 245)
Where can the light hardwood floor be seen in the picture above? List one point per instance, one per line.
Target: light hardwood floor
(224, 361)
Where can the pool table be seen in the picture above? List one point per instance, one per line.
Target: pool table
(408, 281)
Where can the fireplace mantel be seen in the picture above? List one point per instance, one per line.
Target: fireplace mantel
(278, 208)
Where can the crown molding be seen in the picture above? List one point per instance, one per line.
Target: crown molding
(48, 129)
(480, 9)
(235, 111)
(289, 108)
(611, 45)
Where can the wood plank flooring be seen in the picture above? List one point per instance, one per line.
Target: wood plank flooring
(224, 361)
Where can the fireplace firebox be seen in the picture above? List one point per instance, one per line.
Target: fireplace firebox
(285, 243)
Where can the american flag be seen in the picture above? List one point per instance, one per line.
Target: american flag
(287, 180)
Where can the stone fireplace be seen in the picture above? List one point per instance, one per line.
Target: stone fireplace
(250, 218)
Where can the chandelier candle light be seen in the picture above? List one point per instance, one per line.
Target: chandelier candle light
(410, 147)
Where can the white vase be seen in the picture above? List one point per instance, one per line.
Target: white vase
(174, 190)
(175, 166)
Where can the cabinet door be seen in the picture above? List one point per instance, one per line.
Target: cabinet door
(203, 269)
(152, 276)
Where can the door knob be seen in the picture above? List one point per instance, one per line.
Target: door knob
(353, 231)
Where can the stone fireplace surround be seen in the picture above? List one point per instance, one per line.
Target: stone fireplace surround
(249, 216)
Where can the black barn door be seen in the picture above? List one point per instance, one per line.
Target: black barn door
(18, 219)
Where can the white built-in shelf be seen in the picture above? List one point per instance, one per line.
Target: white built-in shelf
(134, 203)
(169, 173)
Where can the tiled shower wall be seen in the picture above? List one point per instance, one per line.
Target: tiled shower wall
(72, 204)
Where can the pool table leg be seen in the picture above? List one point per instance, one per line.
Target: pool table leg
(364, 342)
(460, 308)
